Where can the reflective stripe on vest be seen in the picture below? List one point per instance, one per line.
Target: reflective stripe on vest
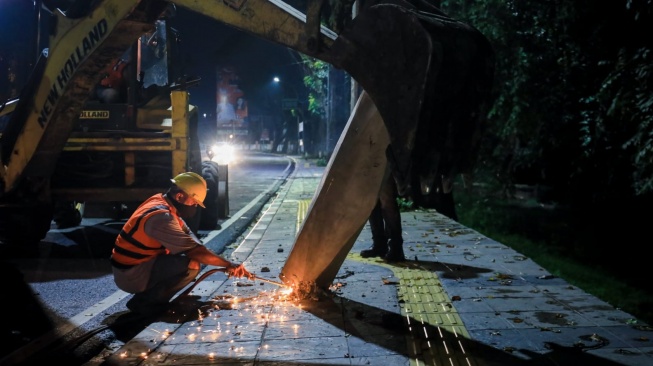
(133, 246)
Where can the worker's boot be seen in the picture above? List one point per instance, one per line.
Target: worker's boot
(396, 252)
(378, 249)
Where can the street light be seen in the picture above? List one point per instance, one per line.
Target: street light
(291, 105)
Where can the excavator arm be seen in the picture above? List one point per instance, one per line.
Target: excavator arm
(398, 52)
(60, 84)
(80, 47)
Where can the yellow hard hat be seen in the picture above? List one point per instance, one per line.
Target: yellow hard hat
(193, 185)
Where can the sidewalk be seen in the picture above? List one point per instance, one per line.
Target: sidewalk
(461, 299)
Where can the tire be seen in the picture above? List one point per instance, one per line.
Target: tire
(67, 215)
(223, 191)
(210, 215)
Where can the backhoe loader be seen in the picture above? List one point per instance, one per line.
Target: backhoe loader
(425, 81)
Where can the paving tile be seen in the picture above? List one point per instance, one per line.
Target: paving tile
(208, 353)
(313, 327)
(511, 345)
(382, 360)
(374, 346)
(305, 349)
(485, 321)
(625, 356)
(474, 305)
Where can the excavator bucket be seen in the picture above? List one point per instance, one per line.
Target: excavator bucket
(393, 74)
(392, 70)
(345, 197)
(401, 58)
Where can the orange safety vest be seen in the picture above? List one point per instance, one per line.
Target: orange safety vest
(133, 246)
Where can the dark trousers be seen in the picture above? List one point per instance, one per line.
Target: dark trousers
(385, 219)
(169, 275)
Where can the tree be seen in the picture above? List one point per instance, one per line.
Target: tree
(573, 99)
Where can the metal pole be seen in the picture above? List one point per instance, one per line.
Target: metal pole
(327, 144)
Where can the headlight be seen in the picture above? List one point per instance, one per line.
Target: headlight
(222, 153)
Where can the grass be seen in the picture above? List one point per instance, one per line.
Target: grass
(555, 239)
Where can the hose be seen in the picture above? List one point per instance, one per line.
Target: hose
(134, 319)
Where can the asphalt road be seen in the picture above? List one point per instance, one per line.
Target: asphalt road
(66, 290)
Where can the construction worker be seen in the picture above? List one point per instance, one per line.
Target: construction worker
(156, 254)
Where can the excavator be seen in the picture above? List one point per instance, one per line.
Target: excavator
(425, 82)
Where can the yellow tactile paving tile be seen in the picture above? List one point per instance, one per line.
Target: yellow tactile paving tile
(441, 320)
(436, 332)
(412, 308)
(408, 295)
(438, 352)
(302, 210)
(428, 289)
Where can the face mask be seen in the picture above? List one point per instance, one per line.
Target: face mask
(184, 211)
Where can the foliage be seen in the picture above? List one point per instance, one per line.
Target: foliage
(626, 97)
(404, 204)
(573, 99)
(321, 161)
(316, 76)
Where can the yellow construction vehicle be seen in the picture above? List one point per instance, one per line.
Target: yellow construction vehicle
(115, 153)
(426, 80)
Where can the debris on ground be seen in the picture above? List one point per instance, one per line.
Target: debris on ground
(305, 290)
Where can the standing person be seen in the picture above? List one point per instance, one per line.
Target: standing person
(385, 223)
(156, 254)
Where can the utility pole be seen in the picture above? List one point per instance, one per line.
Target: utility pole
(353, 98)
(329, 112)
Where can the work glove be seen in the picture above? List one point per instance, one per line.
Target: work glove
(239, 271)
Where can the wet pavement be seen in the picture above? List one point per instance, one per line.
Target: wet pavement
(460, 299)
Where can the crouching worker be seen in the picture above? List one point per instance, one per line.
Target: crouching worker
(156, 254)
